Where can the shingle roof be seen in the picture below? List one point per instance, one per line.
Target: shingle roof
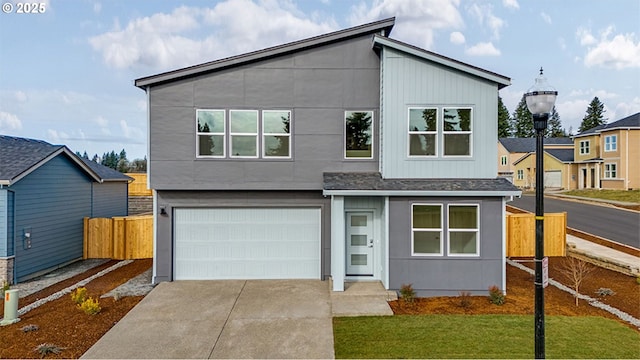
(564, 155)
(20, 155)
(525, 145)
(631, 121)
(373, 181)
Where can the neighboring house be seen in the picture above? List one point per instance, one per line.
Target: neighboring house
(607, 155)
(559, 170)
(45, 192)
(348, 155)
(511, 150)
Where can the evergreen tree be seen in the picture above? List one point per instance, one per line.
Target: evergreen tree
(594, 115)
(95, 158)
(523, 121)
(504, 120)
(85, 155)
(554, 127)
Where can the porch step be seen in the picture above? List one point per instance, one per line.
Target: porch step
(362, 299)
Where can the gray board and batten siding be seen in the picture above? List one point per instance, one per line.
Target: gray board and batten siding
(317, 85)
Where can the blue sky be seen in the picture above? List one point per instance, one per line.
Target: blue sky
(66, 75)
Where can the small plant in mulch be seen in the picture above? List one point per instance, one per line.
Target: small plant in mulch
(29, 328)
(407, 294)
(638, 280)
(90, 306)
(46, 349)
(5, 287)
(496, 296)
(464, 299)
(605, 292)
(79, 295)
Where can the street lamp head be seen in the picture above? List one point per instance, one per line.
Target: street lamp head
(541, 96)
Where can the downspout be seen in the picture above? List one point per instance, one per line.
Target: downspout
(504, 245)
(626, 160)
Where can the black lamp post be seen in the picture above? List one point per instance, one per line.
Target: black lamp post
(540, 100)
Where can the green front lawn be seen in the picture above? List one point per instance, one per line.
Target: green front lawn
(616, 195)
(481, 336)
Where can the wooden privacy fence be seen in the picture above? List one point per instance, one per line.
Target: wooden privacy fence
(521, 234)
(119, 238)
(138, 187)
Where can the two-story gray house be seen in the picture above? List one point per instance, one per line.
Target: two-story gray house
(348, 155)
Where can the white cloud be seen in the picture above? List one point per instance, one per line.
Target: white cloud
(590, 93)
(130, 132)
(483, 49)
(9, 122)
(511, 4)
(622, 51)
(416, 20)
(97, 7)
(562, 43)
(545, 17)
(57, 137)
(585, 36)
(483, 14)
(164, 41)
(21, 96)
(457, 38)
(624, 109)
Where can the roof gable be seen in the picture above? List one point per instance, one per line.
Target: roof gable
(629, 122)
(382, 26)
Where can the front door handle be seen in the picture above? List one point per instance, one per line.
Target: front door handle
(370, 243)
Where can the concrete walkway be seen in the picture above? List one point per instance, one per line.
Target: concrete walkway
(225, 319)
(604, 256)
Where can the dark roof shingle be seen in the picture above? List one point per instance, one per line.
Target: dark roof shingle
(525, 145)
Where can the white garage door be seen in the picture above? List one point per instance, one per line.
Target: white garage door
(255, 243)
(553, 179)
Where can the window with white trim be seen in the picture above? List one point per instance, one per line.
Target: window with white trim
(611, 143)
(423, 131)
(456, 131)
(426, 229)
(463, 229)
(520, 174)
(503, 160)
(243, 133)
(358, 141)
(210, 136)
(584, 147)
(610, 171)
(276, 133)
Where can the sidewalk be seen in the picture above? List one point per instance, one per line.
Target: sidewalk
(604, 256)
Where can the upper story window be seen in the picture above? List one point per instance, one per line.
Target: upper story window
(210, 133)
(584, 147)
(243, 134)
(456, 130)
(276, 133)
(520, 174)
(503, 160)
(358, 134)
(611, 143)
(423, 131)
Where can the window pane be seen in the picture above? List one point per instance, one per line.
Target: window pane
(358, 240)
(210, 121)
(358, 220)
(422, 119)
(426, 242)
(457, 120)
(463, 217)
(210, 145)
(276, 146)
(427, 217)
(358, 134)
(456, 144)
(243, 146)
(276, 122)
(358, 259)
(422, 144)
(244, 121)
(462, 242)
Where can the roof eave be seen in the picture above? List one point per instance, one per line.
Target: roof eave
(384, 25)
(482, 193)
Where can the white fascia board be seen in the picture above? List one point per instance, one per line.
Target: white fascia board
(418, 193)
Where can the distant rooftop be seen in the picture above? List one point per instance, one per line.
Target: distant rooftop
(631, 121)
(525, 145)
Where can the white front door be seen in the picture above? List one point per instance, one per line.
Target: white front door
(360, 243)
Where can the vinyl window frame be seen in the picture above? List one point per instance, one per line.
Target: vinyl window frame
(520, 174)
(434, 133)
(256, 134)
(503, 160)
(461, 132)
(264, 134)
(585, 146)
(439, 230)
(372, 138)
(475, 230)
(610, 171)
(223, 134)
(611, 143)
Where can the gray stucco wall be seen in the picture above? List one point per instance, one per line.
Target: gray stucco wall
(445, 275)
(50, 203)
(318, 85)
(169, 200)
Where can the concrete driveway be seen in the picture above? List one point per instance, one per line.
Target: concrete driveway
(225, 319)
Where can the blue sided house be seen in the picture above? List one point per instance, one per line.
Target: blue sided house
(348, 156)
(45, 192)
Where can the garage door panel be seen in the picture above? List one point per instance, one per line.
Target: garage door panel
(256, 243)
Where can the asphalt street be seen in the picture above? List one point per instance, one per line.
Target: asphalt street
(610, 223)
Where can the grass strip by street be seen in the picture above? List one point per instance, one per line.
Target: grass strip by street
(632, 196)
(481, 336)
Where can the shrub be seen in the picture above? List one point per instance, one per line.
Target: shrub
(495, 295)
(638, 280)
(46, 348)
(407, 293)
(90, 306)
(465, 299)
(29, 328)
(605, 292)
(5, 287)
(79, 295)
